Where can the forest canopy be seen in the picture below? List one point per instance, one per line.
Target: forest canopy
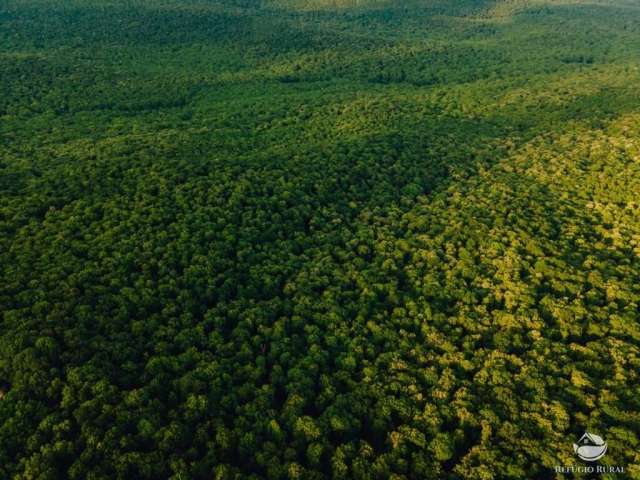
(309, 239)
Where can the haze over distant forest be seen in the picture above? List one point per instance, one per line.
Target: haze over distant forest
(318, 239)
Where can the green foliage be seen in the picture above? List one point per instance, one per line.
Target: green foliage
(325, 239)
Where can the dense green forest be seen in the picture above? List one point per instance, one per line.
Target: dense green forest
(318, 239)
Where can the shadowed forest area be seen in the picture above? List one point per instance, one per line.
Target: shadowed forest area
(318, 239)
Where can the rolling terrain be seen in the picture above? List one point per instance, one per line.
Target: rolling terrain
(341, 239)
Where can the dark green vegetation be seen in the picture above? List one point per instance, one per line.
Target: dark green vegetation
(324, 239)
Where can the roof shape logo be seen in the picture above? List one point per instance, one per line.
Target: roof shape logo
(590, 447)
